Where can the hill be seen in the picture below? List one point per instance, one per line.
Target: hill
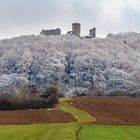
(110, 64)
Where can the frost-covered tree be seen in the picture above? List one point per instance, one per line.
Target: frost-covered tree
(111, 63)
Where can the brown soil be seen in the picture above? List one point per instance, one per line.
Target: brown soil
(34, 117)
(111, 111)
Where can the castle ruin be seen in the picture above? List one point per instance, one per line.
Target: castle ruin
(92, 32)
(51, 32)
(76, 30)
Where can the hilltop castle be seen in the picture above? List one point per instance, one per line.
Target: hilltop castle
(76, 30)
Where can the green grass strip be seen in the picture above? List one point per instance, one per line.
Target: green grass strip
(39, 132)
(95, 132)
(80, 115)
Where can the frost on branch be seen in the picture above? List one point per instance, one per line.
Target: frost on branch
(111, 64)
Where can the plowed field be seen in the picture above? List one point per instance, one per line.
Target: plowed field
(111, 111)
(35, 117)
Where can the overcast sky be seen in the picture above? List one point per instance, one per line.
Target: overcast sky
(20, 17)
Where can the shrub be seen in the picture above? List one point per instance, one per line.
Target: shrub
(26, 99)
(33, 103)
(51, 94)
(6, 101)
(15, 102)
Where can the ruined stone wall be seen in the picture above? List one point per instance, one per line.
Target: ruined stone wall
(51, 32)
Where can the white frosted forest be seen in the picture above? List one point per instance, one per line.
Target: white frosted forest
(109, 64)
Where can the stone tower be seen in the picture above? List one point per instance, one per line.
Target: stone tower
(92, 32)
(76, 28)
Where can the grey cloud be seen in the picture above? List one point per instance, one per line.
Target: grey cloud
(19, 17)
(26, 11)
(131, 19)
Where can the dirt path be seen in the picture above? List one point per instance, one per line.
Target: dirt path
(77, 133)
(132, 134)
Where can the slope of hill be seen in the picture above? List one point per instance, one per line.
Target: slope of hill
(111, 64)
